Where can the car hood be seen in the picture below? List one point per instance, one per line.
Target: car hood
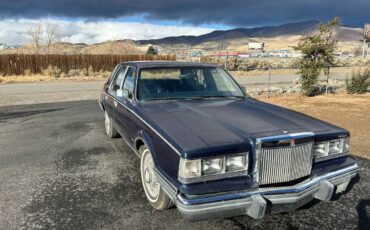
(198, 124)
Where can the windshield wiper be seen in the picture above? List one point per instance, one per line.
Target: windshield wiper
(219, 96)
(169, 99)
(195, 98)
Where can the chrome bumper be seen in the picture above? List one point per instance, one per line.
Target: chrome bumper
(255, 202)
(101, 104)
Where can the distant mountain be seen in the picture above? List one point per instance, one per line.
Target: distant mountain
(217, 35)
(298, 28)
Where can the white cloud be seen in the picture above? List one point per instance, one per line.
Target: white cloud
(13, 32)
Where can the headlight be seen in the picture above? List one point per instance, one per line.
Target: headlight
(190, 168)
(321, 150)
(336, 147)
(212, 165)
(236, 163)
(331, 149)
(346, 145)
(212, 168)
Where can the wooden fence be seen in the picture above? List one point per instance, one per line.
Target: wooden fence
(18, 64)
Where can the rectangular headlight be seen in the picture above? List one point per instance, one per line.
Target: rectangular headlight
(212, 168)
(336, 147)
(321, 150)
(329, 149)
(236, 163)
(190, 168)
(346, 145)
(212, 165)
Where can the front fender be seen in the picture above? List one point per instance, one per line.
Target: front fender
(165, 159)
(146, 139)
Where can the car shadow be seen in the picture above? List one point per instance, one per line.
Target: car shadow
(363, 214)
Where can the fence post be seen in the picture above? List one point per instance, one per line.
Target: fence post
(269, 82)
(327, 81)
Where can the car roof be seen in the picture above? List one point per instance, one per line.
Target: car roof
(148, 64)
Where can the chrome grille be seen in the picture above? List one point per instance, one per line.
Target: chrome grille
(283, 164)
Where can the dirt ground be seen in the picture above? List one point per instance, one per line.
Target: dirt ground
(348, 111)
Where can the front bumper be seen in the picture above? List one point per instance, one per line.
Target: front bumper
(255, 202)
(101, 104)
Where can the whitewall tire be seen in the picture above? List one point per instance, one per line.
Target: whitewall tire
(153, 191)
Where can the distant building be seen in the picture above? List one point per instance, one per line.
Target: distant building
(225, 54)
(196, 53)
(256, 45)
(367, 32)
(4, 46)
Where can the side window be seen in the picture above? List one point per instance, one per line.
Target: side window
(110, 79)
(119, 77)
(129, 83)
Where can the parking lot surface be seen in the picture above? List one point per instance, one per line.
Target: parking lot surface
(59, 170)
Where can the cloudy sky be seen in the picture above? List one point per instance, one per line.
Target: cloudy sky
(92, 21)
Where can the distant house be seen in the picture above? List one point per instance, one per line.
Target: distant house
(256, 45)
(4, 46)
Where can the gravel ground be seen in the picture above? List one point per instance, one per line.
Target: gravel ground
(59, 170)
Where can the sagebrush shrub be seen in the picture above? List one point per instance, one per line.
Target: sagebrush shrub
(90, 71)
(73, 73)
(359, 82)
(53, 71)
(27, 72)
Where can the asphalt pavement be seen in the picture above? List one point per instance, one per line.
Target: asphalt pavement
(55, 91)
(58, 170)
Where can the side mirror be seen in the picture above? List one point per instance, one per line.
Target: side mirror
(126, 94)
(120, 93)
(243, 88)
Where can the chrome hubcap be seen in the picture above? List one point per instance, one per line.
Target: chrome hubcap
(151, 185)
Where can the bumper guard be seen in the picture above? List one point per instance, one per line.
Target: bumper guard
(255, 202)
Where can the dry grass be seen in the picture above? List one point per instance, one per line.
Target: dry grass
(348, 111)
(239, 73)
(346, 70)
(39, 78)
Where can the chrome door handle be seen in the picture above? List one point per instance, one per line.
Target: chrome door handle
(115, 103)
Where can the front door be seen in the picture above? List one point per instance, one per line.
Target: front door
(124, 116)
(110, 101)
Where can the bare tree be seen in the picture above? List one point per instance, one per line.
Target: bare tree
(52, 35)
(34, 35)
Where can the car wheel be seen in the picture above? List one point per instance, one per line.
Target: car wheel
(153, 191)
(109, 127)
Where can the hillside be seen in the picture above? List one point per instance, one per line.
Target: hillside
(219, 35)
(275, 37)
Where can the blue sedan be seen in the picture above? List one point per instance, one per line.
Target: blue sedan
(213, 151)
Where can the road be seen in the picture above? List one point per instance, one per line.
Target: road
(280, 79)
(46, 92)
(59, 170)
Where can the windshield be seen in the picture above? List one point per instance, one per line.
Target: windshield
(186, 82)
